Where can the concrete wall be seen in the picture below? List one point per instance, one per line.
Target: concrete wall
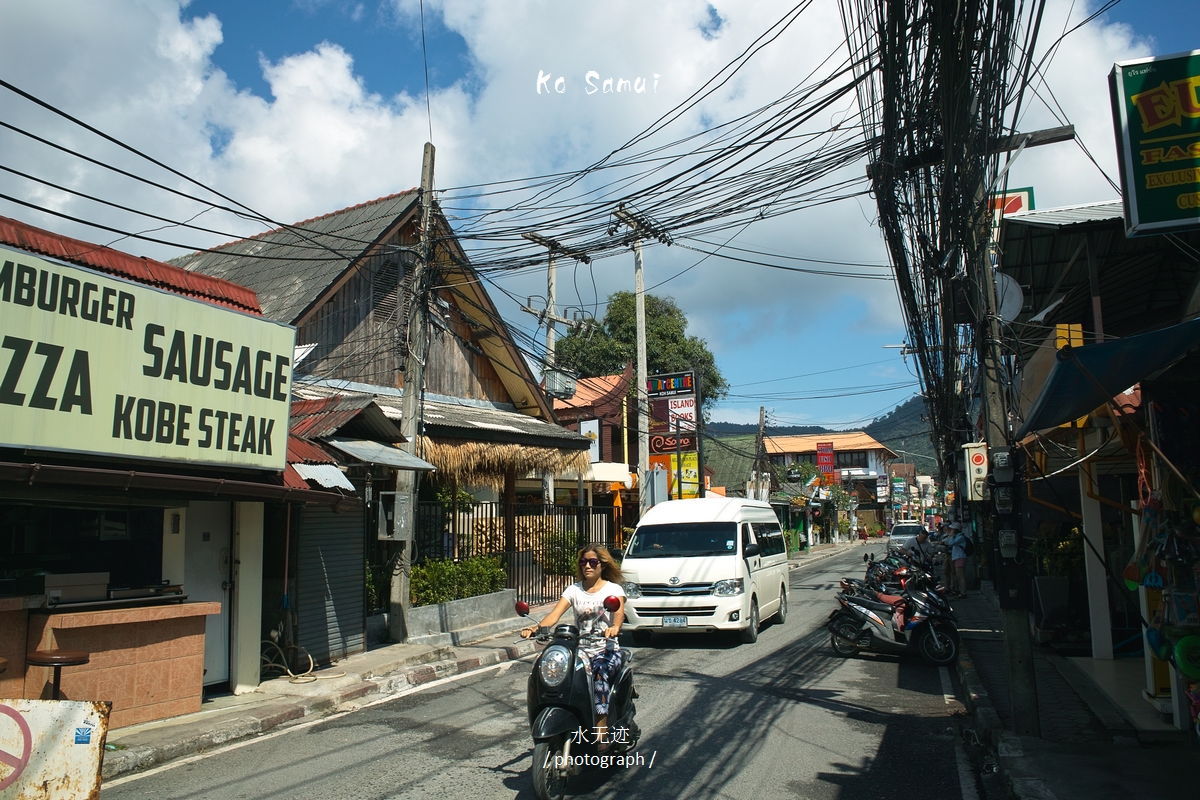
(459, 614)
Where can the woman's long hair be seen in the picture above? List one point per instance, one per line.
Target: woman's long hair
(609, 570)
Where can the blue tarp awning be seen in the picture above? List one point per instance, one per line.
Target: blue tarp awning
(1118, 364)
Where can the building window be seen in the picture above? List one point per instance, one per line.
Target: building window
(805, 458)
(851, 459)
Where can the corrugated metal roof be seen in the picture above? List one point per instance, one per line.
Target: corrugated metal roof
(290, 267)
(1070, 215)
(354, 415)
(592, 391)
(469, 422)
(325, 475)
(302, 451)
(379, 453)
(210, 289)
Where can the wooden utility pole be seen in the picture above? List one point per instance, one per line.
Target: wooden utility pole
(410, 408)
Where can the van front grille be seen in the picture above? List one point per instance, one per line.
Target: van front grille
(686, 611)
(678, 590)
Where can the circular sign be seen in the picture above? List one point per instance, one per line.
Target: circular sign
(977, 459)
(16, 763)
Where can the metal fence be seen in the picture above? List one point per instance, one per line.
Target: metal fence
(538, 543)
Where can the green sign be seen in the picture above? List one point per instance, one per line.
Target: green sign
(1156, 110)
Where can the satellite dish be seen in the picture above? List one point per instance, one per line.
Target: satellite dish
(1009, 297)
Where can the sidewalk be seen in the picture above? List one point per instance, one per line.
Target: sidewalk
(1088, 748)
(353, 681)
(821, 552)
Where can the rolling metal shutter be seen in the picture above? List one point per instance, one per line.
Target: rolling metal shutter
(331, 583)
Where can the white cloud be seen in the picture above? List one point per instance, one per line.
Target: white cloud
(322, 140)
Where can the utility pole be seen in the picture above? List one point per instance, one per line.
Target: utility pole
(551, 317)
(410, 408)
(760, 453)
(641, 227)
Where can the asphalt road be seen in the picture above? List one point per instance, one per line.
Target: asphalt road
(784, 717)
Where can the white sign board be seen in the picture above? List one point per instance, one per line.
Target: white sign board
(51, 749)
(591, 429)
(94, 364)
(683, 410)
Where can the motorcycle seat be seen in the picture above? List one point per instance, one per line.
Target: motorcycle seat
(890, 599)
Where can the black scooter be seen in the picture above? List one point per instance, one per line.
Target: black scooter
(562, 713)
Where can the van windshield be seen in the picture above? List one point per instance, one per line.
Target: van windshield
(683, 539)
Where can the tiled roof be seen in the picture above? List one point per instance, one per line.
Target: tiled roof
(113, 262)
(290, 267)
(854, 440)
(591, 391)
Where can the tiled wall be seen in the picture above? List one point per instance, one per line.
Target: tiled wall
(148, 670)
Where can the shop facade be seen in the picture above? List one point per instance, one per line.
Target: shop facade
(143, 443)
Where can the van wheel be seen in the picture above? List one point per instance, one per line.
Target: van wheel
(781, 614)
(750, 635)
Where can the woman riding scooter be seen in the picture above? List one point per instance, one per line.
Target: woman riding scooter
(599, 577)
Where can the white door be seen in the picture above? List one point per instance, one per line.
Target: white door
(206, 578)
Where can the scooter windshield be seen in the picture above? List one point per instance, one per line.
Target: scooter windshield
(683, 539)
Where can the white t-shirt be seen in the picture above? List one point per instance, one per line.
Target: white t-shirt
(591, 617)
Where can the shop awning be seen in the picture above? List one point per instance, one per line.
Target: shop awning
(1069, 394)
(379, 453)
(327, 475)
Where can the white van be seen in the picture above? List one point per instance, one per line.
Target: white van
(712, 564)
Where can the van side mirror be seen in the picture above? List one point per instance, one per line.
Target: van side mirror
(751, 549)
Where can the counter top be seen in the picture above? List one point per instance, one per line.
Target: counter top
(80, 618)
(20, 603)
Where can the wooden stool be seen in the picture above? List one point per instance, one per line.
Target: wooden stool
(57, 659)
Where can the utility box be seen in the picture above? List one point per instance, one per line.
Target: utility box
(393, 517)
(656, 487)
(975, 465)
(559, 384)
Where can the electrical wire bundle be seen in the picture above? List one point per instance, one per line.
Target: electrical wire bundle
(941, 86)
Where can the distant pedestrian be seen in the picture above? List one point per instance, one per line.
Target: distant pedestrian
(862, 535)
(958, 552)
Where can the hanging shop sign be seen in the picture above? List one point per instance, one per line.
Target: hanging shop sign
(825, 458)
(1156, 111)
(669, 442)
(90, 363)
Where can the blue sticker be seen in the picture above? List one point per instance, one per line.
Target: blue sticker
(83, 736)
(729, 544)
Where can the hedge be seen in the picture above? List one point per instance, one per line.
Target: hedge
(445, 580)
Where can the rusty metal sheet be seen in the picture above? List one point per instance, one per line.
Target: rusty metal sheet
(51, 749)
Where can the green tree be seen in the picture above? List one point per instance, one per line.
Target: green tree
(668, 347)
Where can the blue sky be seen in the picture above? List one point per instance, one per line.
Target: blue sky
(301, 107)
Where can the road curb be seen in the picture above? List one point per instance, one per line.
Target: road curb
(292, 709)
(1017, 772)
(822, 556)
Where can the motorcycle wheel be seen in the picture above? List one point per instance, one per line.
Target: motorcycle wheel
(941, 652)
(549, 783)
(750, 635)
(842, 636)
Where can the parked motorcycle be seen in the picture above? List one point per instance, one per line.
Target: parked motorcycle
(562, 718)
(913, 620)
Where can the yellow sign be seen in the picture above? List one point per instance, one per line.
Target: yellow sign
(691, 473)
(94, 364)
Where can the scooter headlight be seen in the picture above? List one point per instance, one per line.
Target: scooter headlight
(729, 588)
(632, 591)
(555, 665)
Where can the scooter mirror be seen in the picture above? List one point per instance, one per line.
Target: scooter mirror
(612, 603)
(865, 559)
(522, 608)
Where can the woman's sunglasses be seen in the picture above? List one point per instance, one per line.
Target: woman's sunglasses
(589, 562)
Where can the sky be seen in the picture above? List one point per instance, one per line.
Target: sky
(297, 108)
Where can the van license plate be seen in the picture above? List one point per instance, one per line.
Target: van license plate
(674, 622)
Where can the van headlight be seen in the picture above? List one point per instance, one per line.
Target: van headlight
(555, 664)
(729, 588)
(633, 591)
